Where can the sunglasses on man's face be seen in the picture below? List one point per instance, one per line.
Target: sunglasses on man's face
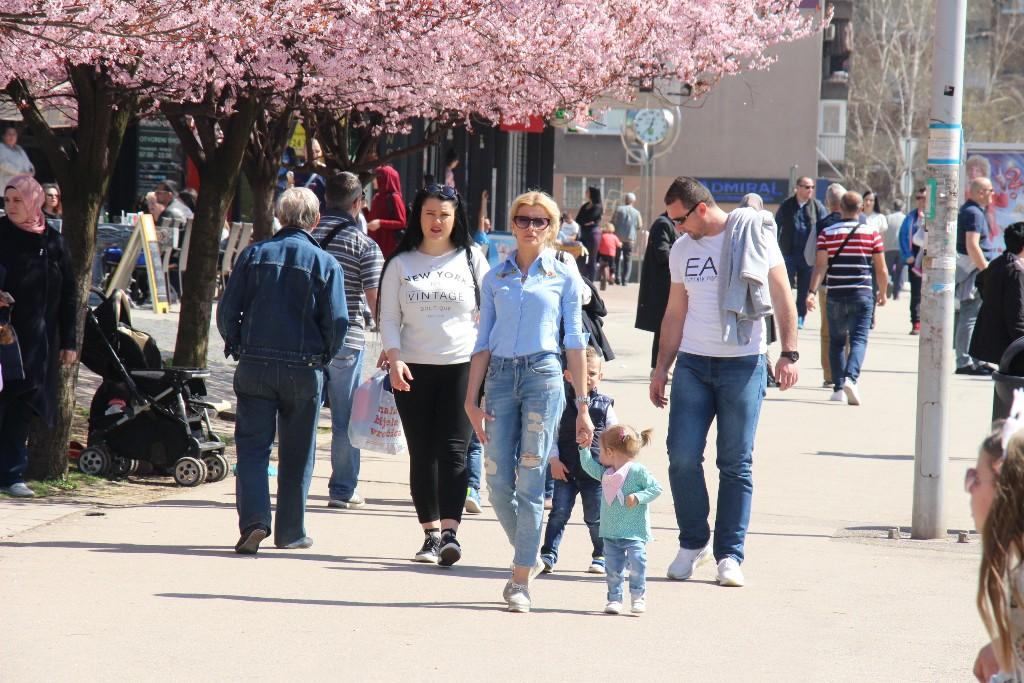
(679, 221)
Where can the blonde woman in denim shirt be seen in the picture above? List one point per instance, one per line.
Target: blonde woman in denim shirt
(523, 301)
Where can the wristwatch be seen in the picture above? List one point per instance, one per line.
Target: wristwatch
(791, 355)
(583, 400)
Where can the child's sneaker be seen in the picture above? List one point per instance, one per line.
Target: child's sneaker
(596, 566)
(639, 604)
(613, 607)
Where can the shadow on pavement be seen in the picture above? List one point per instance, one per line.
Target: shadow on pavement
(876, 456)
(474, 606)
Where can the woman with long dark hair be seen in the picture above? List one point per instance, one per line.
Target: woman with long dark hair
(429, 301)
(589, 220)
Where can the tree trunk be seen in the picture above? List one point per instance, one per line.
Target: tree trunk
(219, 169)
(263, 186)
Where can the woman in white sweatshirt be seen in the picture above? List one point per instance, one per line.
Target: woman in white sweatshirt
(429, 305)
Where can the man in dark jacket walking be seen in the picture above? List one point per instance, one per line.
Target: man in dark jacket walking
(284, 317)
(796, 219)
(655, 280)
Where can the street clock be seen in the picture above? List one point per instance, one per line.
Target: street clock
(651, 126)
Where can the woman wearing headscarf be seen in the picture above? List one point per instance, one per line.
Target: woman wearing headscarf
(36, 273)
(589, 220)
(387, 211)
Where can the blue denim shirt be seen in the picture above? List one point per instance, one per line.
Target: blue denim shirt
(521, 316)
(285, 301)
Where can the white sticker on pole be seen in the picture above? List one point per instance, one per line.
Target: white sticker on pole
(944, 144)
(941, 263)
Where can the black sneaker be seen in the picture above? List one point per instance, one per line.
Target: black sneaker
(249, 543)
(428, 553)
(451, 551)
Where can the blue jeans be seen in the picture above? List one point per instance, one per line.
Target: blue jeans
(474, 458)
(849, 317)
(589, 490)
(731, 390)
(343, 375)
(526, 397)
(620, 552)
(15, 416)
(796, 266)
(275, 395)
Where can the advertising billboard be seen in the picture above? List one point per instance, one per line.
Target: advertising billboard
(1004, 165)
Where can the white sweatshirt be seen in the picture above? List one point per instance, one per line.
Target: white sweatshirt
(428, 306)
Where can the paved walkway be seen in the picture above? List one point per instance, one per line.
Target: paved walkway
(154, 592)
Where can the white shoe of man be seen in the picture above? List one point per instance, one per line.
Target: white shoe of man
(687, 561)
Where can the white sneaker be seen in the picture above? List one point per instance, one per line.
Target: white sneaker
(686, 561)
(838, 396)
(19, 490)
(729, 573)
(852, 395)
(613, 607)
(639, 604)
(519, 598)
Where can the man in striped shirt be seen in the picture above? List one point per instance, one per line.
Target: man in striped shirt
(847, 253)
(361, 261)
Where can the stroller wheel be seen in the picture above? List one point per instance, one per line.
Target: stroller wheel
(217, 465)
(134, 469)
(120, 467)
(189, 471)
(94, 461)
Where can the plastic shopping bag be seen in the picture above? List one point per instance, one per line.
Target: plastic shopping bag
(375, 424)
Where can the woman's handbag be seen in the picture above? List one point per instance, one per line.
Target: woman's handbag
(375, 424)
(11, 366)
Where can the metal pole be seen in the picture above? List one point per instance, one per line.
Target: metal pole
(934, 356)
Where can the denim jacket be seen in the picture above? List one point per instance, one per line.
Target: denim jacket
(285, 301)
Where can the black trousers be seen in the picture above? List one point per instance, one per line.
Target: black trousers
(915, 296)
(437, 431)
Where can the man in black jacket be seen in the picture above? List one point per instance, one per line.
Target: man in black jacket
(796, 219)
(655, 280)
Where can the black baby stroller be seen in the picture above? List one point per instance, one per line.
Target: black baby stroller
(144, 411)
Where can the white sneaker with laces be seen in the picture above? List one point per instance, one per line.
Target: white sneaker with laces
(519, 598)
(639, 605)
(687, 561)
(838, 396)
(729, 573)
(613, 607)
(852, 394)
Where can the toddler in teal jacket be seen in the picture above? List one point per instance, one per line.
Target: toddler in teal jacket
(626, 489)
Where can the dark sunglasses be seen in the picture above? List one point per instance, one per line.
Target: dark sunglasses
(527, 222)
(446, 192)
(679, 221)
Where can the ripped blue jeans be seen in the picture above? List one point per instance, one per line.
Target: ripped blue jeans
(526, 397)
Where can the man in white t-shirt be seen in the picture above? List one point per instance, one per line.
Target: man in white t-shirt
(718, 373)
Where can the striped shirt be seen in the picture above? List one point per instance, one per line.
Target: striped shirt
(361, 260)
(851, 271)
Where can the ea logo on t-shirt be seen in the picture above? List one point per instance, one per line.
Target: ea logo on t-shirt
(700, 269)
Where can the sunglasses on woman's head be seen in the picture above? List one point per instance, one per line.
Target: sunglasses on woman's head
(444, 191)
(528, 222)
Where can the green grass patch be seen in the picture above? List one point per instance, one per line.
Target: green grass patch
(73, 481)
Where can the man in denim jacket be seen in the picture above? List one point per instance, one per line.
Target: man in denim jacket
(283, 316)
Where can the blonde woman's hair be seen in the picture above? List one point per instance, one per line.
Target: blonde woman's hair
(625, 439)
(543, 200)
(1002, 545)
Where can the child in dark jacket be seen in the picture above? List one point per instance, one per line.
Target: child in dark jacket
(570, 479)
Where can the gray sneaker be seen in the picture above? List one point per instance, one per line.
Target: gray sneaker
(519, 598)
(536, 570)
(354, 502)
(19, 490)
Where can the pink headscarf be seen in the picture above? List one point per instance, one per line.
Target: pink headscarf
(33, 195)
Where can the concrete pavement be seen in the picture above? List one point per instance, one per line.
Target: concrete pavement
(154, 591)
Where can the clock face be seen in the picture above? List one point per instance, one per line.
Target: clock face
(651, 126)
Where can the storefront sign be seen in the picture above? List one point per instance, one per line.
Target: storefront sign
(731, 190)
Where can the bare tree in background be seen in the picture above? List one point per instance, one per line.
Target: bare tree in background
(890, 78)
(994, 72)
